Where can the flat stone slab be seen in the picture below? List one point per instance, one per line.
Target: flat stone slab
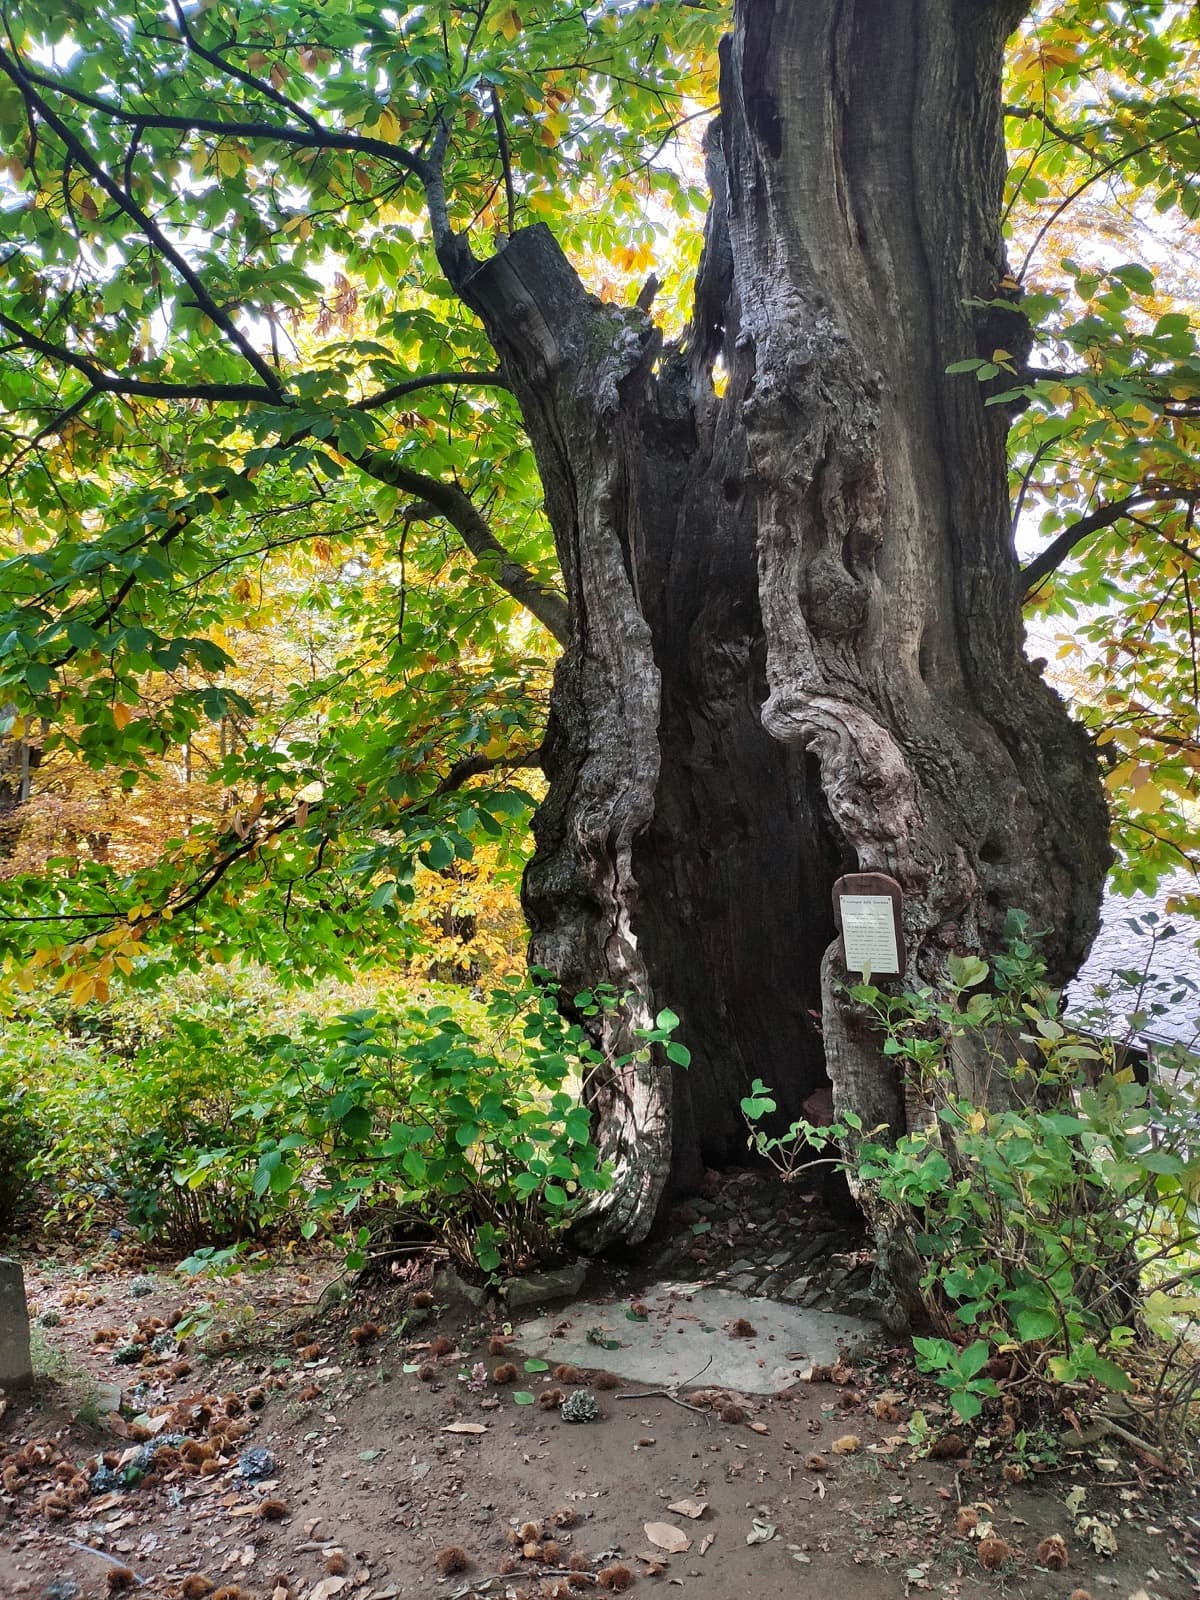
(16, 1368)
(685, 1339)
(536, 1288)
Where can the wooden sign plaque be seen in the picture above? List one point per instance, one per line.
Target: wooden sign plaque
(866, 912)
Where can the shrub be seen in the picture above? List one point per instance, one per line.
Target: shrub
(122, 1125)
(465, 1120)
(1056, 1223)
(21, 1137)
(214, 1115)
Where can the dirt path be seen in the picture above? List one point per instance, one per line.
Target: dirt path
(384, 1440)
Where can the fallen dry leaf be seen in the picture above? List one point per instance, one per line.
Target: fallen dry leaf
(667, 1537)
(327, 1588)
(689, 1508)
(465, 1427)
(846, 1445)
(706, 1542)
(758, 1427)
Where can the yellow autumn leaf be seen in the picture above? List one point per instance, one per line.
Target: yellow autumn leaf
(82, 988)
(1147, 797)
(121, 715)
(229, 163)
(507, 22)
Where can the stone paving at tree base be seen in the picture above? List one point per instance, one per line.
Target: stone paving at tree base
(759, 1236)
(678, 1334)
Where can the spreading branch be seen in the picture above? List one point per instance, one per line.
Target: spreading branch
(1189, 125)
(447, 500)
(430, 380)
(1035, 573)
(82, 157)
(230, 69)
(109, 383)
(314, 137)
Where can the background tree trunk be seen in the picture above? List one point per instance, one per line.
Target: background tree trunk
(795, 638)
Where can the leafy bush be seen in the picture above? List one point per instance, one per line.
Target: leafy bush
(20, 1139)
(1056, 1220)
(473, 1127)
(213, 1115)
(121, 1125)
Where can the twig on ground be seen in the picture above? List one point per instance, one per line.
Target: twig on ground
(651, 1394)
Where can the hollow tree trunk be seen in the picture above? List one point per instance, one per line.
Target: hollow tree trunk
(795, 639)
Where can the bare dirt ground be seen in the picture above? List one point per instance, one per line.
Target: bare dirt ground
(289, 1449)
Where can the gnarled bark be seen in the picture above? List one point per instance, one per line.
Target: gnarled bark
(794, 639)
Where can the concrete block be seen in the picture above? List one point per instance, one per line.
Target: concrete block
(16, 1368)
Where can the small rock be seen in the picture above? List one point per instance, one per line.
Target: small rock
(448, 1284)
(140, 1287)
(108, 1398)
(536, 1287)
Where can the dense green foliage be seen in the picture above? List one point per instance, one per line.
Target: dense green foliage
(20, 1133)
(272, 545)
(1060, 1238)
(214, 1119)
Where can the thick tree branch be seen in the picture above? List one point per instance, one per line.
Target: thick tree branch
(149, 228)
(460, 511)
(510, 193)
(109, 383)
(452, 250)
(474, 767)
(314, 138)
(1056, 552)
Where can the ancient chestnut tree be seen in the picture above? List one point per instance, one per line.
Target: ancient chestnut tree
(371, 286)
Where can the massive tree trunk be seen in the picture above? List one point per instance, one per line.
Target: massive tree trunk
(795, 638)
